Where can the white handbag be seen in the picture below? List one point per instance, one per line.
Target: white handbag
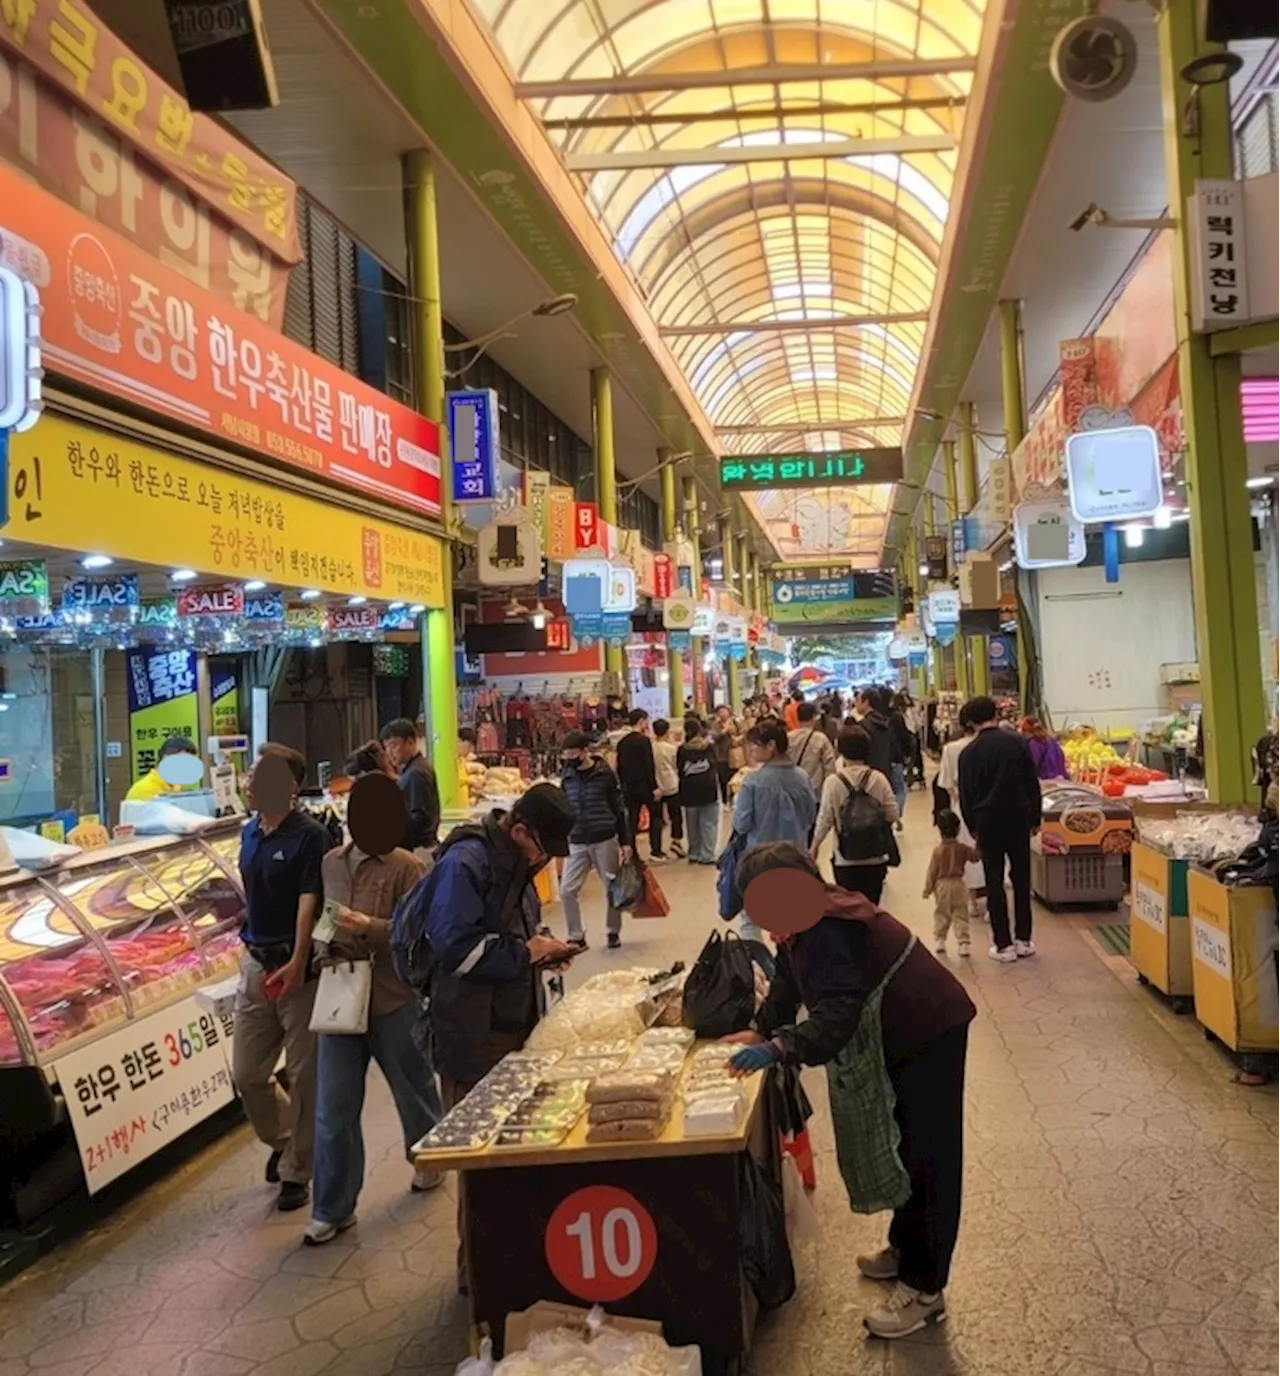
(342, 998)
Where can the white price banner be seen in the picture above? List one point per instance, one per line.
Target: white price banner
(1211, 946)
(139, 1089)
(1149, 905)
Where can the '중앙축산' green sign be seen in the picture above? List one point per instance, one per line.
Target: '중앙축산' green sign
(843, 468)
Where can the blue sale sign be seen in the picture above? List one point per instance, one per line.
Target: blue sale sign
(473, 444)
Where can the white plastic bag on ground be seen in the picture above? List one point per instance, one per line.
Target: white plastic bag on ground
(803, 1227)
(477, 1366)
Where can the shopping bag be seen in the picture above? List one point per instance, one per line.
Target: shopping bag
(800, 1150)
(653, 902)
(762, 1235)
(626, 888)
(719, 994)
(726, 881)
(803, 1228)
(342, 998)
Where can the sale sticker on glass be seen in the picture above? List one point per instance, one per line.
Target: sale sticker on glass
(843, 468)
(133, 1092)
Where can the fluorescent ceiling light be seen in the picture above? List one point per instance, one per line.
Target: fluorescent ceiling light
(309, 594)
(356, 601)
(1162, 517)
(1265, 481)
(417, 608)
(96, 561)
(1134, 535)
(254, 585)
(183, 575)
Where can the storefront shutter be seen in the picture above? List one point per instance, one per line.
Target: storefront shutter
(320, 308)
(1256, 139)
(297, 301)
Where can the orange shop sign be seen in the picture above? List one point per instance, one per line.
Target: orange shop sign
(122, 322)
(74, 49)
(89, 164)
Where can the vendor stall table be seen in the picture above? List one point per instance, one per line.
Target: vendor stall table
(648, 1229)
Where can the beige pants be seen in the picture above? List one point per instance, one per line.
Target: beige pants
(285, 1122)
(951, 909)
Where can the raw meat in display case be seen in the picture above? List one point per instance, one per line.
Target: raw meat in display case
(195, 877)
(59, 980)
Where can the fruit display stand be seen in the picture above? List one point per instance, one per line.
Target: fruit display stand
(99, 1028)
(1233, 961)
(652, 1229)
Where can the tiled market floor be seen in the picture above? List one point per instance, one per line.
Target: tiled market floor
(1120, 1215)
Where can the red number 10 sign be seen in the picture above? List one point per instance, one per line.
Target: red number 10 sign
(601, 1243)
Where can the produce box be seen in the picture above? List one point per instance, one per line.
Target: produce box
(1159, 928)
(1233, 961)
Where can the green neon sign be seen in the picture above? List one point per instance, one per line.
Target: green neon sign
(842, 468)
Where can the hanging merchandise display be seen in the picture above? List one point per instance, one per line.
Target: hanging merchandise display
(1047, 534)
(1114, 474)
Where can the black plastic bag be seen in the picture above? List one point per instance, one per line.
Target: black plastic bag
(626, 888)
(762, 1235)
(720, 992)
(791, 1107)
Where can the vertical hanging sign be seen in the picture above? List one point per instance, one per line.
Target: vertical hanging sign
(162, 702)
(473, 444)
(1219, 285)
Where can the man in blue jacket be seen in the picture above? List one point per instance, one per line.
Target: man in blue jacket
(479, 913)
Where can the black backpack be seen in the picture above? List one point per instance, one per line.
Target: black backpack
(861, 833)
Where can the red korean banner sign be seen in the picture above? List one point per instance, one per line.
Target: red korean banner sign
(220, 599)
(663, 577)
(125, 324)
(67, 43)
(85, 163)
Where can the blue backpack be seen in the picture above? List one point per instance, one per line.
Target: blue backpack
(727, 883)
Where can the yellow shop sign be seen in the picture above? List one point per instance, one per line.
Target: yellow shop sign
(77, 488)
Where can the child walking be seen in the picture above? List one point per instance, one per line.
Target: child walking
(945, 884)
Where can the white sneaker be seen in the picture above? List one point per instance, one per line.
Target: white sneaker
(318, 1232)
(940, 946)
(1024, 948)
(1006, 955)
(962, 949)
(679, 850)
(424, 1180)
(906, 1311)
(657, 859)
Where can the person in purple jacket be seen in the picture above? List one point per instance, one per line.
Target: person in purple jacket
(1046, 753)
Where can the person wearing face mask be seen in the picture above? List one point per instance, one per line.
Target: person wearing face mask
(601, 835)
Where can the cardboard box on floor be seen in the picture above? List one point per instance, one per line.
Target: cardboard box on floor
(524, 1325)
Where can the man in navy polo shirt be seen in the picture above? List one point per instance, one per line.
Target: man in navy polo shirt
(280, 853)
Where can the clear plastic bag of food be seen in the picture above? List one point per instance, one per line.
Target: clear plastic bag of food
(630, 1108)
(630, 1084)
(656, 1058)
(667, 1036)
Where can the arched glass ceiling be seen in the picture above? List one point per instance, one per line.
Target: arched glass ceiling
(762, 168)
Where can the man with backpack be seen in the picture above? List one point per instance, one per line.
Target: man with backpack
(810, 749)
(858, 804)
(467, 936)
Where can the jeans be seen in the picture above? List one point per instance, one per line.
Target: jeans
(995, 843)
(703, 826)
(898, 782)
(341, 1071)
(603, 857)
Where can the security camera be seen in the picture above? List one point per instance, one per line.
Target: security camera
(1086, 216)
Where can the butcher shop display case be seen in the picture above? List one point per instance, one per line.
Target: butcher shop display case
(112, 935)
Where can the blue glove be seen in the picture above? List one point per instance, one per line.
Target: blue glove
(752, 1058)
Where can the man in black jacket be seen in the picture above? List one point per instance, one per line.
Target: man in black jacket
(601, 835)
(417, 782)
(1000, 803)
(638, 775)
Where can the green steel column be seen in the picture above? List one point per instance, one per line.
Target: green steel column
(1015, 428)
(440, 705)
(693, 533)
(745, 596)
(615, 657)
(979, 665)
(1222, 571)
(670, 523)
(730, 582)
(969, 455)
(949, 472)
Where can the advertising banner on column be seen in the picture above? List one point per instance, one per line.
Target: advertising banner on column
(162, 702)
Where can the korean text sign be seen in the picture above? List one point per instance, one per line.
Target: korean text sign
(88, 163)
(137, 1090)
(122, 322)
(473, 444)
(831, 594)
(162, 702)
(837, 469)
(77, 488)
(67, 43)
